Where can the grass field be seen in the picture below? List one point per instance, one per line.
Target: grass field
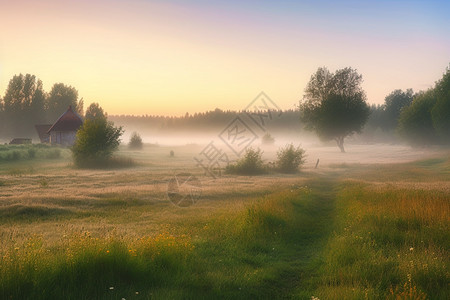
(347, 230)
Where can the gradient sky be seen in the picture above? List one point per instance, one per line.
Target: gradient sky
(172, 57)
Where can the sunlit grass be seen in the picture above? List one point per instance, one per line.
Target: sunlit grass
(388, 243)
(351, 231)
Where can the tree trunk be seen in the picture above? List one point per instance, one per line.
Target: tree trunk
(340, 143)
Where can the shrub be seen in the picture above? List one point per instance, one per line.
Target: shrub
(172, 154)
(135, 141)
(250, 164)
(31, 153)
(96, 141)
(267, 139)
(53, 153)
(15, 155)
(290, 158)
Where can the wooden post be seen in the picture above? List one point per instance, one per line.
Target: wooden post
(317, 163)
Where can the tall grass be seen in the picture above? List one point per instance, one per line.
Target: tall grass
(84, 267)
(12, 153)
(389, 243)
(255, 252)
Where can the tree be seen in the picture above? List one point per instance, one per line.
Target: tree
(427, 119)
(415, 123)
(440, 112)
(96, 141)
(334, 105)
(60, 98)
(23, 104)
(94, 111)
(393, 104)
(135, 141)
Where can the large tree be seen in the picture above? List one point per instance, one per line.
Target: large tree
(334, 104)
(427, 119)
(441, 111)
(393, 105)
(23, 104)
(415, 123)
(60, 98)
(94, 111)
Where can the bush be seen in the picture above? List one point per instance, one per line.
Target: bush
(96, 141)
(250, 164)
(53, 153)
(15, 155)
(290, 159)
(135, 141)
(267, 139)
(31, 153)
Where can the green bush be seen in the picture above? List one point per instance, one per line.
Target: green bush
(31, 153)
(96, 141)
(290, 158)
(267, 139)
(250, 164)
(15, 155)
(135, 141)
(53, 153)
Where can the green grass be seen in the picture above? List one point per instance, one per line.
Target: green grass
(353, 232)
(388, 243)
(260, 251)
(13, 153)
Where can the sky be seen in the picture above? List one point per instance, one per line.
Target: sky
(171, 57)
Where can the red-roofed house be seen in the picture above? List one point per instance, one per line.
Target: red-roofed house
(64, 131)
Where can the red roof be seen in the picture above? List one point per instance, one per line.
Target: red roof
(68, 121)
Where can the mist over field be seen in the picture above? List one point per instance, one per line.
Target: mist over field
(224, 150)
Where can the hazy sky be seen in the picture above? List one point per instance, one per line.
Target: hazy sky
(172, 57)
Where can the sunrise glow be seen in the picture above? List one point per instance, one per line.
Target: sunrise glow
(171, 57)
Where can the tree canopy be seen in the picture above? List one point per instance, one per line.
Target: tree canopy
(440, 113)
(26, 104)
(23, 103)
(334, 104)
(393, 105)
(60, 98)
(94, 111)
(96, 141)
(427, 119)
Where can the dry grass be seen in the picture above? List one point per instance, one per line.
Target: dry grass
(382, 212)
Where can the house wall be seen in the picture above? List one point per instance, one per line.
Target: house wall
(64, 138)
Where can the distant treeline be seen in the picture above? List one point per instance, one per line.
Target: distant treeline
(210, 121)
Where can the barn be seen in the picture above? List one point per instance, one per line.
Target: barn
(64, 130)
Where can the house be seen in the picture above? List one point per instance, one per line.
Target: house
(64, 130)
(42, 132)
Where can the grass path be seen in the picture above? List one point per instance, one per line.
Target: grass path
(280, 256)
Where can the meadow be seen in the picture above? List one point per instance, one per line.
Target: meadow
(363, 225)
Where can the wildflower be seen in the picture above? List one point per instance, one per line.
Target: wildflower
(411, 249)
(111, 287)
(137, 293)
